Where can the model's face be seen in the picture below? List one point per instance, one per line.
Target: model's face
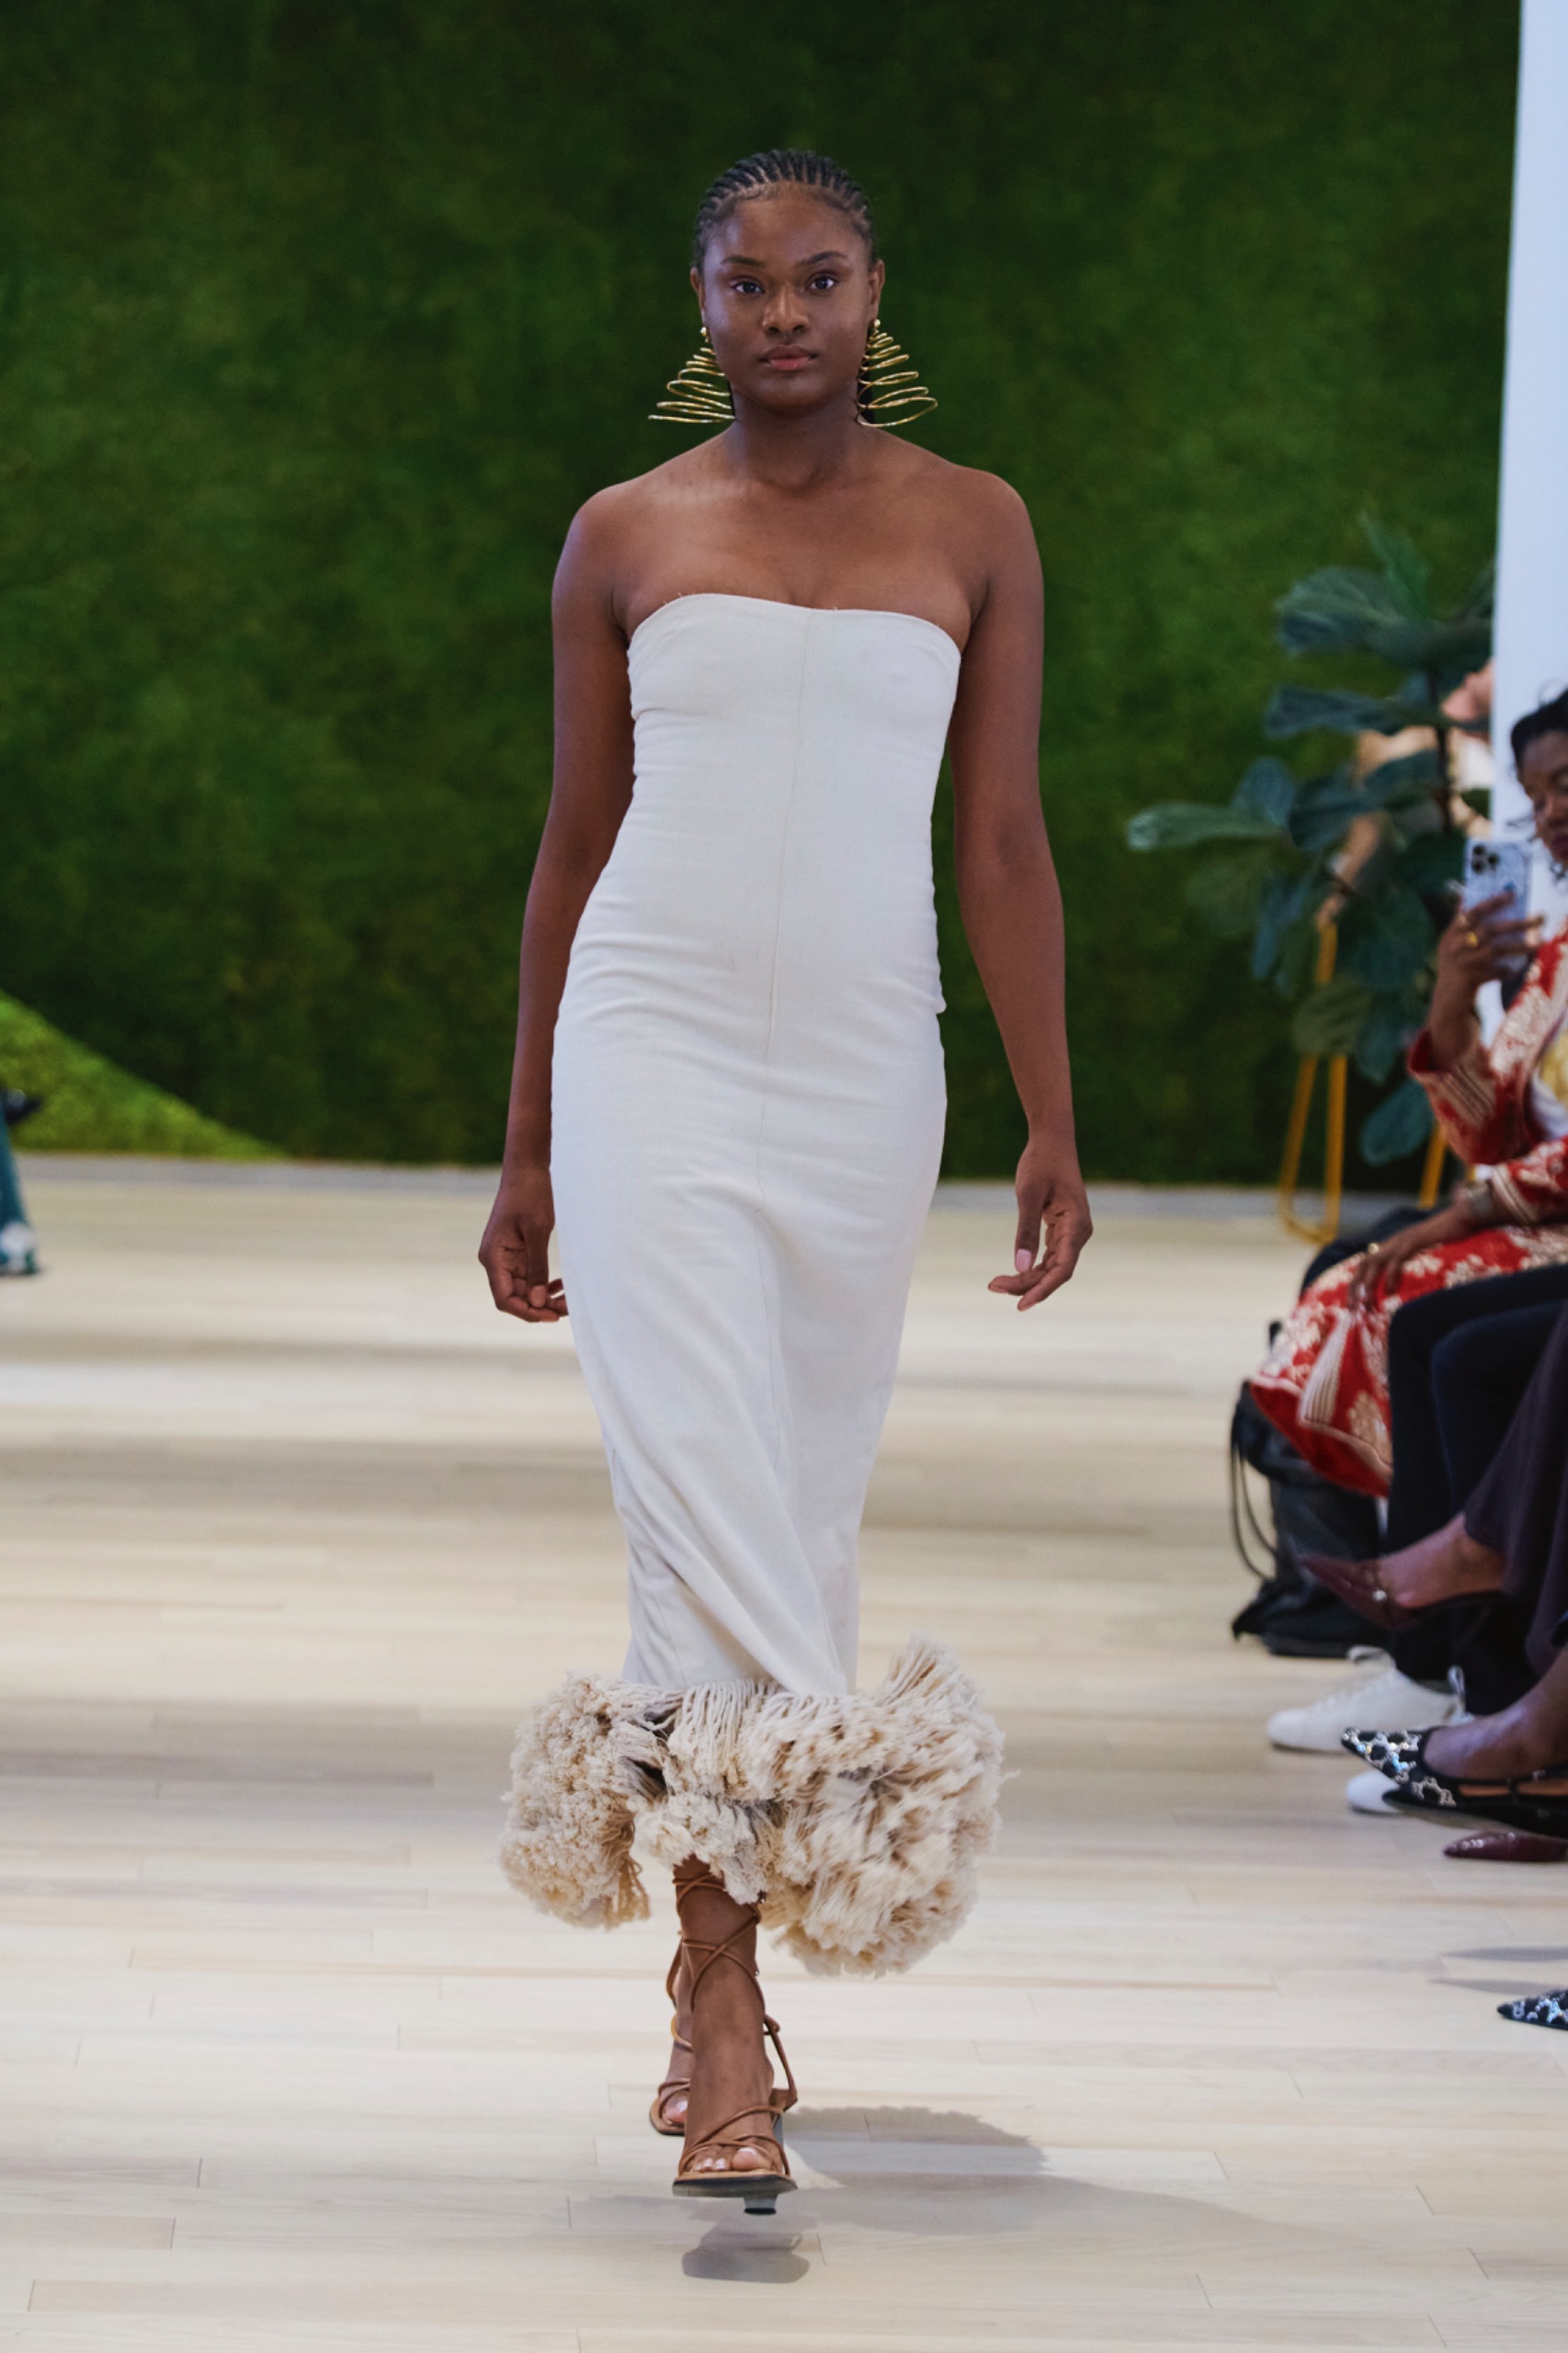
(1544, 776)
(789, 294)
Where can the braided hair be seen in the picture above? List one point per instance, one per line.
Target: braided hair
(782, 167)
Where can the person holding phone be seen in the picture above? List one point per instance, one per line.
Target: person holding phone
(1504, 1108)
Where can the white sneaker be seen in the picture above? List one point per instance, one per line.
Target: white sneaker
(1385, 1702)
(19, 1249)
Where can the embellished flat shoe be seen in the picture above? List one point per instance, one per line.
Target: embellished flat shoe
(1401, 1758)
(1539, 2009)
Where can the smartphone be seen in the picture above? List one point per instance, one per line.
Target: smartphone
(1494, 869)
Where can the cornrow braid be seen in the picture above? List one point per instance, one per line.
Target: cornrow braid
(782, 168)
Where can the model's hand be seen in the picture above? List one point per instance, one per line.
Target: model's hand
(1478, 946)
(514, 1252)
(1051, 1192)
(1380, 1262)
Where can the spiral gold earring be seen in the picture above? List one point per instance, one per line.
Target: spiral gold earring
(700, 394)
(890, 392)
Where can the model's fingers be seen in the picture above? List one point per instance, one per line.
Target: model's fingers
(503, 1273)
(543, 1304)
(1026, 1236)
(1060, 1264)
(1472, 919)
(535, 1270)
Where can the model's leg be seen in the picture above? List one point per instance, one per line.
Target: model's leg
(730, 2077)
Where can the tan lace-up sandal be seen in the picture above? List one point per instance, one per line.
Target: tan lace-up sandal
(678, 2082)
(708, 2167)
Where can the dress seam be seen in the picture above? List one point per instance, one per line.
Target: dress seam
(775, 1385)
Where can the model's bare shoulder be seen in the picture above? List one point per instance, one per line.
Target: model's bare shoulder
(986, 510)
(991, 508)
(612, 533)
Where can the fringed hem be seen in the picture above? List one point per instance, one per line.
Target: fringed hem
(857, 1824)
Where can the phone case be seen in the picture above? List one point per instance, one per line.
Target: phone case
(1494, 869)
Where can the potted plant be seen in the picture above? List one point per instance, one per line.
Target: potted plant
(1341, 878)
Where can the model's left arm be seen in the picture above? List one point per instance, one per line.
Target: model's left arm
(1008, 894)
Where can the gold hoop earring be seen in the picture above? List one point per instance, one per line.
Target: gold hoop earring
(888, 382)
(700, 393)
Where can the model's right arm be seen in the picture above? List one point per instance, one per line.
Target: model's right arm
(590, 793)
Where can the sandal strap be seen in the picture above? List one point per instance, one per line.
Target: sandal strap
(724, 2142)
(780, 2102)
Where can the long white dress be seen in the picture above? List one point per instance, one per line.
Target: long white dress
(748, 1123)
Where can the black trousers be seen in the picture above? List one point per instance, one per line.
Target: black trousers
(1459, 1364)
(1459, 1361)
(1520, 1506)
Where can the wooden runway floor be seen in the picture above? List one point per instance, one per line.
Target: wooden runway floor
(294, 1527)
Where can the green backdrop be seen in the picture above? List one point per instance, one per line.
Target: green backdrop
(317, 321)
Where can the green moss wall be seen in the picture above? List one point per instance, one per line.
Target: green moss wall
(317, 321)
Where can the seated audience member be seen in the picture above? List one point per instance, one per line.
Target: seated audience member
(1512, 1537)
(1459, 1363)
(1325, 1383)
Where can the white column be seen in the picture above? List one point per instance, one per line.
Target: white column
(1532, 536)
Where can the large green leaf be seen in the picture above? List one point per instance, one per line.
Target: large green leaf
(1297, 710)
(1183, 824)
(1383, 1037)
(1432, 861)
(1348, 611)
(1330, 1020)
(1326, 807)
(1406, 571)
(1267, 790)
(1480, 600)
(1386, 938)
(1396, 784)
(1228, 893)
(1331, 612)
(1447, 646)
(1285, 907)
(1401, 1124)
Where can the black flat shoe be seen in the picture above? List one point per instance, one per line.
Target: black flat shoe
(1401, 1758)
(1539, 2009)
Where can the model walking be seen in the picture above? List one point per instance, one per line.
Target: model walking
(728, 1098)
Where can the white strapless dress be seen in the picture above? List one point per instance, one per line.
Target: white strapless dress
(747, 1124)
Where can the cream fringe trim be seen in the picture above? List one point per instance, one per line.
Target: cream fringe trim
(856, 1823)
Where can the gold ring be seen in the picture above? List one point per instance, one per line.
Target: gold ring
(1474, 938)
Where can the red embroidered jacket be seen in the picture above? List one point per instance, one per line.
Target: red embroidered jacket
(1482, 1105)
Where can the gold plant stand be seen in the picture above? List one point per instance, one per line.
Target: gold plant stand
(1327, 1229)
